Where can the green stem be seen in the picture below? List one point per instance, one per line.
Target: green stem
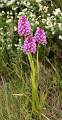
(37, 69)
(35, 100)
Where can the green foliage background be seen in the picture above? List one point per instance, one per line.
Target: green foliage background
(14, 66)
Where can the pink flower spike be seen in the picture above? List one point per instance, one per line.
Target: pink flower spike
(40, 36)
(29, 45)
(23, 26)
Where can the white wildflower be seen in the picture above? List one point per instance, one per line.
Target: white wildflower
(44, 21)
(33, 19)
(15, 28)
(14, 8)
(10, 12)
(9, 46)
(32, 15)
(53, 32)
(7, 12)
(57, 11)
(60, 37)
(11, 17)
(24, 10)
(3, 12)
(10, 2)
(17, 3)
(8, 21)
(1, 33)
(28, 3)
(40, 7)
(48, 14)
(49, 22)
(37, 22)
(45, 8)
(38, 1)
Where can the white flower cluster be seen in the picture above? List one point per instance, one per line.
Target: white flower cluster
(57, 11)
(60, 37)
(8, 2)
(43, 8)
(38, 1)
(51, 22)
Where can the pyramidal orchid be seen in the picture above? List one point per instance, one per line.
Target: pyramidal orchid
(29, 45)
(29, 48)
(40, 36)
(23, 26)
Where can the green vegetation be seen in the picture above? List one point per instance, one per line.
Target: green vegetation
(15, 82)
